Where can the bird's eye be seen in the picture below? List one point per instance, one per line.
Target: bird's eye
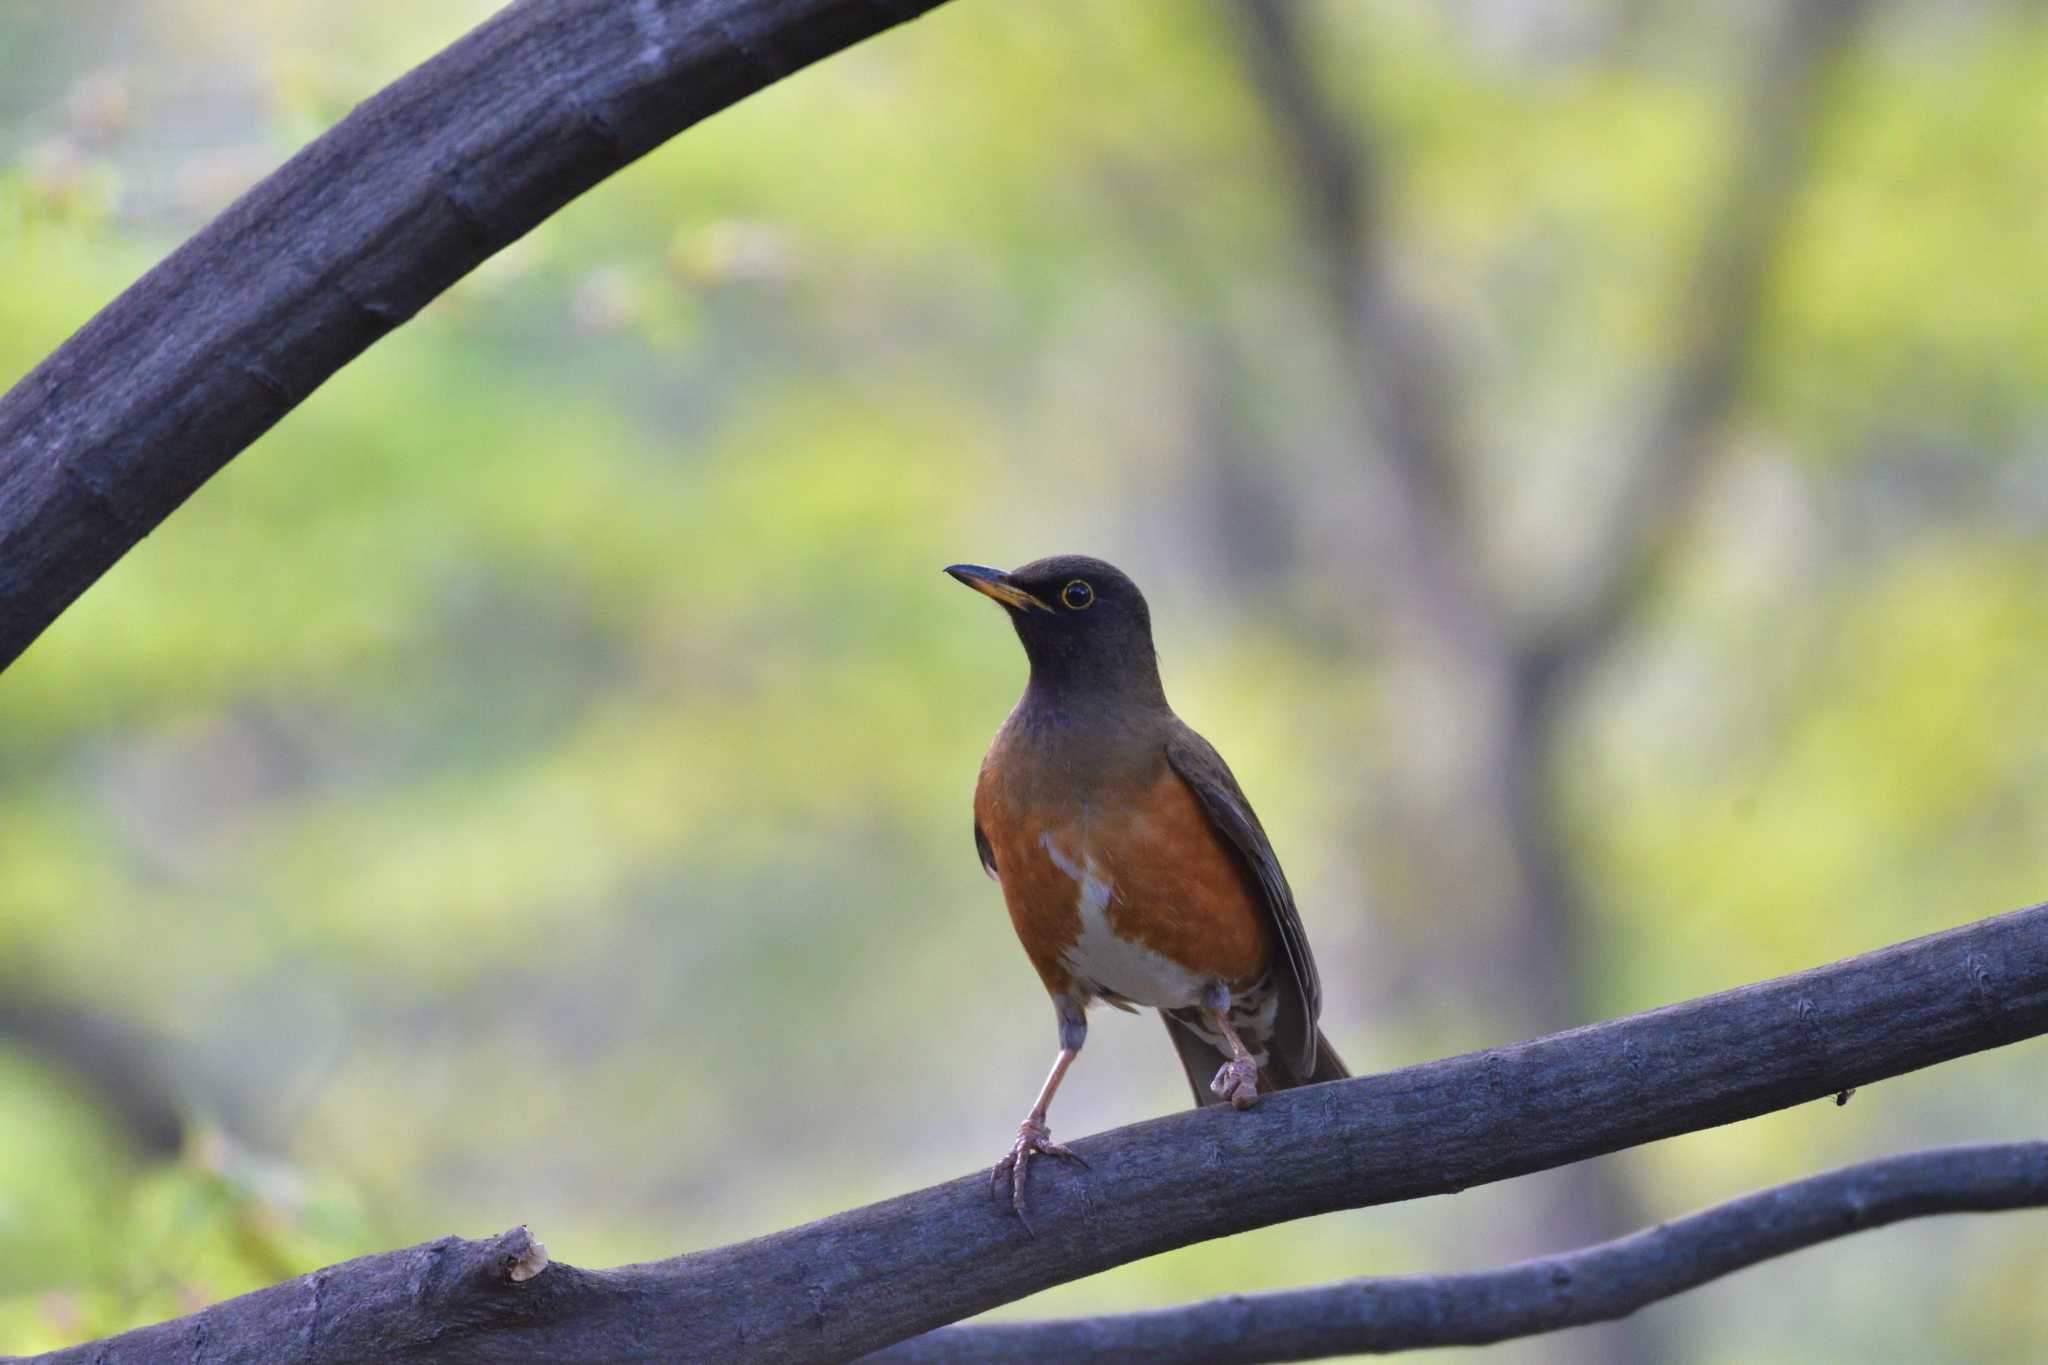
(1078, 595)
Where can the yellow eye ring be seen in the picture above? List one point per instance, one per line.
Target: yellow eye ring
(1077, 595)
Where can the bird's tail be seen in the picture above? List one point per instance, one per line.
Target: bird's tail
(1202, 1059)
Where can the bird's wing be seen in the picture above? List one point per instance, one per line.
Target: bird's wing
(988, 855)
(1205, 772)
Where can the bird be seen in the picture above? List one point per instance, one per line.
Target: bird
(1135, 871)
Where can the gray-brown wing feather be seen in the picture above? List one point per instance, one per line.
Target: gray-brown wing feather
(1205, 772)
(988, 854)
(1197, 1058)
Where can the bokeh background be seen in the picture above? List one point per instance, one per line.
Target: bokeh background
(1589, 463)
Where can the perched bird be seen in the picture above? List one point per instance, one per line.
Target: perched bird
(1134, 869)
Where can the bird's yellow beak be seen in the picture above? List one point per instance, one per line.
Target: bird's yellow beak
(995, 583)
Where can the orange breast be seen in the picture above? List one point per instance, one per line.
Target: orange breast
(1138, 858)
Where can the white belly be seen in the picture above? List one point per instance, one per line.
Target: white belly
(1104, 963)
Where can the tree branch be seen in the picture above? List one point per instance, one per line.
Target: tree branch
(1738, 250)
(352, 236)
(1598, 1284)
(1409, 443)
(864, 1279)
(112, 1060)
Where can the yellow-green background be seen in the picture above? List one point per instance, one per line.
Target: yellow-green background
(531, 785)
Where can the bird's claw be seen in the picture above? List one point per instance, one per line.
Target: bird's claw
(1237, 1081)
(1033, 1139)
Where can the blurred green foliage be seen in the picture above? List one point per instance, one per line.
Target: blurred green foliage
(531, 785)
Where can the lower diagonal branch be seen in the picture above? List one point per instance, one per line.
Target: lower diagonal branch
(870, 1277)
(1597, 1284)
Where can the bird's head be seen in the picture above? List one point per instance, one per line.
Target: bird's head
(1085, 626)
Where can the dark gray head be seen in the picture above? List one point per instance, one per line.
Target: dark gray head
(1084, 625)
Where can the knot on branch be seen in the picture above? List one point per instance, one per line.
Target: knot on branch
(526, 1263)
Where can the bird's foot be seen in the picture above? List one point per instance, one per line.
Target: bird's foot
(1033, 1139)
(1237, 1081)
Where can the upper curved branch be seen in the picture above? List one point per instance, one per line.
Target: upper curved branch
(873, 1276)
(352, 236)
(1597, 1284)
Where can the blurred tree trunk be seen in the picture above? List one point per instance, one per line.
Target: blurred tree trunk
(1466, 665)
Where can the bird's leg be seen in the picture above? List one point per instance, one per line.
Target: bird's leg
(1237, 1080)
(1034, 1138)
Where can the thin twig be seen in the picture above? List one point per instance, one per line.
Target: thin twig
(1598, 1284)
